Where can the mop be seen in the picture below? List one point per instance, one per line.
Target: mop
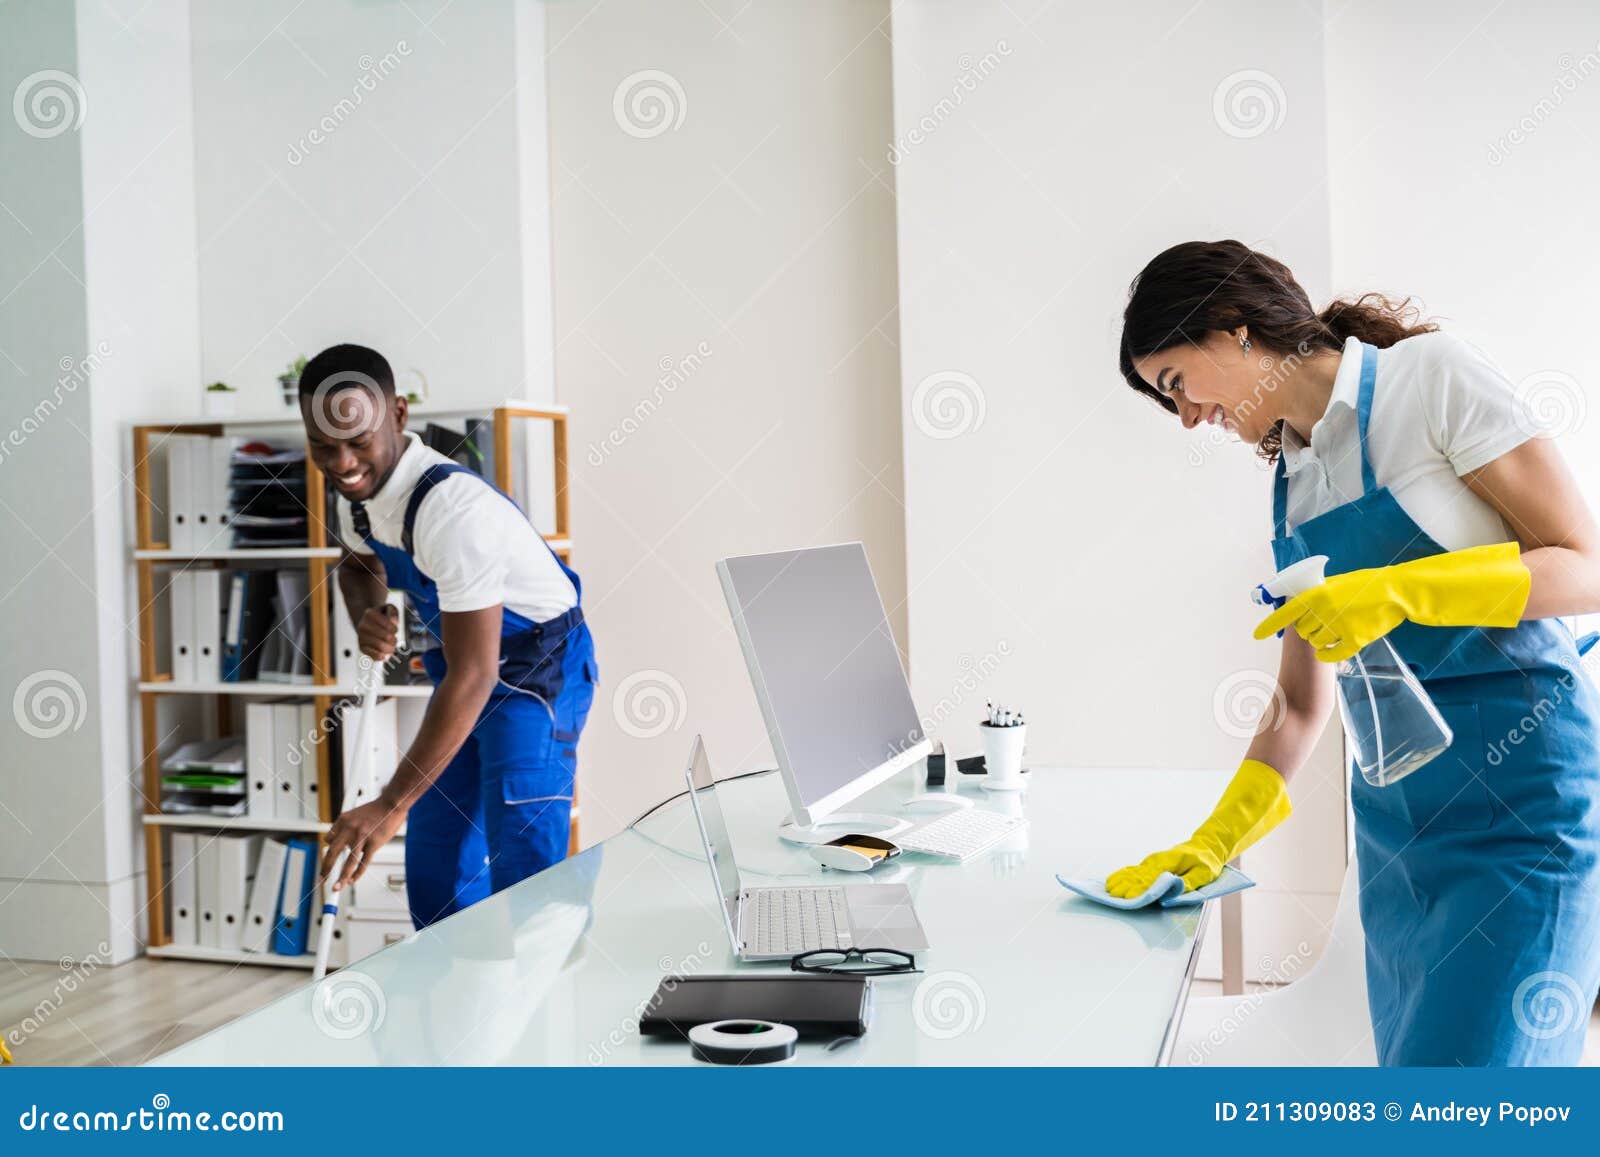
(356, 777)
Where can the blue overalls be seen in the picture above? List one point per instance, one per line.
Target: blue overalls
(502, 808)
(1480, 872)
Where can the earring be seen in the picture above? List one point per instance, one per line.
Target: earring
(1244, 344)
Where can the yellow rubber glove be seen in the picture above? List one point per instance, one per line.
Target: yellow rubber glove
(5, 1053)
(1254, 803)
(1483, 586)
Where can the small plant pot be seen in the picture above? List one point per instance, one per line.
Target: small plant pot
(218, 403)
(290, 385)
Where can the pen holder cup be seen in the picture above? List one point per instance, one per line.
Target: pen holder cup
(1002, 756)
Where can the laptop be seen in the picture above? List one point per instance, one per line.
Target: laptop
(780, 923)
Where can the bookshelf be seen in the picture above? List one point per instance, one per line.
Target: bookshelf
(151, 552)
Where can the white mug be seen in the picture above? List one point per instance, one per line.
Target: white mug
(1002, 756)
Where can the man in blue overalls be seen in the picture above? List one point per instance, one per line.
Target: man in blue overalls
(485, 790)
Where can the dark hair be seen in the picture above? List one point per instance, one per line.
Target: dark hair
(346, 367)
(1201, 287)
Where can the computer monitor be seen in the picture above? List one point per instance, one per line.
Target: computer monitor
(828, 677)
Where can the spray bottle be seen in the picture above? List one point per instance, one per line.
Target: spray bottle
(1392, 724)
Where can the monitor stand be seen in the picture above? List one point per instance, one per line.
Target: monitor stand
(842, 824)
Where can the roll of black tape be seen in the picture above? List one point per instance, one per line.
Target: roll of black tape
(742, 1042)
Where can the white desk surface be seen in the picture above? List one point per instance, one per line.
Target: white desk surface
(555, 970)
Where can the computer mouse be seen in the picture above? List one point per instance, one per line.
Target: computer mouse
(931, 801)
(854, 853)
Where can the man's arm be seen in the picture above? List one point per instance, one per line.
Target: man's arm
(472, 656)
(364, 584)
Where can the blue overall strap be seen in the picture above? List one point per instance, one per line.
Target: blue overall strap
(436, 474)
(1369, 378)
(431, 477)
(1280, 499)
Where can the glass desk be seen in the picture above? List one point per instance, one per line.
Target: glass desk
(555, 970)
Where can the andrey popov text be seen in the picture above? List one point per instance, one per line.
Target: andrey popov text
(1449, 1113)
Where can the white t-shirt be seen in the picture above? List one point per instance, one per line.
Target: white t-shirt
(1440, 409)
(478, 548)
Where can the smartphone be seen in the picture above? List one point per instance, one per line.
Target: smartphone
(872, 847)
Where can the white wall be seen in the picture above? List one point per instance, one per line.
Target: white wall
(758, 229)
(99, 323)
(1076, 532)
(1487, 214)
(359, 178)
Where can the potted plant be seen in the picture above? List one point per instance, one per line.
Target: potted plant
(289, 381)
(218, 399)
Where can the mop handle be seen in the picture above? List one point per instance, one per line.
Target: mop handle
(357, 774)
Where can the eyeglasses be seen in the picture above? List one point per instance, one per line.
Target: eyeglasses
(855, 961)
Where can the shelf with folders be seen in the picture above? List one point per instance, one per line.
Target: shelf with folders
(299, 541)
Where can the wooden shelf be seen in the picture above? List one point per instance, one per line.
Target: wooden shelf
(303, 690)
(150, 552)
(221, 956)
(235, 823)
(516, 407)
(240, 554)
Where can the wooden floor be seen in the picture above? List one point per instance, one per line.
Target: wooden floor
(129, 1014)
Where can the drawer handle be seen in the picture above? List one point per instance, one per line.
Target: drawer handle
(393, 938)
(396, 882)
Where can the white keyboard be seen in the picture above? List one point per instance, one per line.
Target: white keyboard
(960, 835)
(790, 921)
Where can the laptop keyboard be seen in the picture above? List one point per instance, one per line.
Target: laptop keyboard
(788, 921)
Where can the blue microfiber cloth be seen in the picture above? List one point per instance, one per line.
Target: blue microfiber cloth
(1167, 891)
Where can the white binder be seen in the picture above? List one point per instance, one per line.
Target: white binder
(219, 491)
(180, 492)
(181, 613)
(383, 744)
(346, 644)
(203, 530)
(208, 585)
(287, 737)
(264, 892)
(260, 765)
(208, 882)
(236, 859)
(310, 789)
(181, 888)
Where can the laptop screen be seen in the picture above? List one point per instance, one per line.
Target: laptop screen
(714, 833)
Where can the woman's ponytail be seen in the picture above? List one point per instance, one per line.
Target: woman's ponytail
(1375, 319)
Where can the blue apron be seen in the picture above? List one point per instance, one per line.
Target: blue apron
(502, 808)
(1480, 872)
